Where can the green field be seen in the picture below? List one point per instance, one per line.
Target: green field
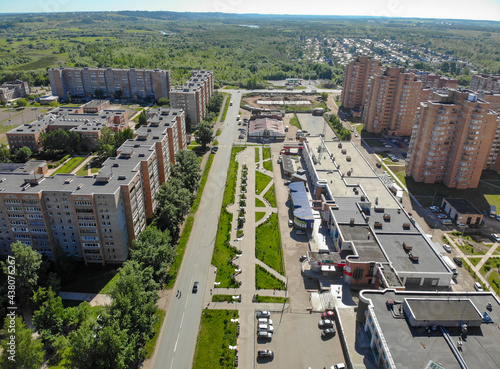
(261, 182)
(215, 335)
(268, 244)
(70, 165)
(270, 196)
(266, 281)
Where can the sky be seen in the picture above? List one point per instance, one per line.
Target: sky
(449, 9)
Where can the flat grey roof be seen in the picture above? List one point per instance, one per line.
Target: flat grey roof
(463, 206)
(459, 310)
(428, 261)
(413, 348)
(364, 242)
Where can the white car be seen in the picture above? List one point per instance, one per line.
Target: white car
(339, 366)
(326, 323)
(496, 237)
(447, 247)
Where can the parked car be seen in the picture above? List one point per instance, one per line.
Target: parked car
(442, 216)
(457, 261)
(447, 247)
(265, 354)
(264, 335)
(265, 327)
(394, 159)
(241, 136)
(435, 209)
(263, 314)
(496, 237)
(378, 164)
(287, 183)
(338, 366)
(300, 232)
(302, 258)
(329, 332)
(326, 323)
(214, 149)
(195, 287)
(265, 321)
(478, 287)
(327, 314)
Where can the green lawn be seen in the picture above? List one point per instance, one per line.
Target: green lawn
(271, 299)
(218, 132)
(401, 176)
(223, 251)
(257, 155)
(151, 344)
(259, 215)
(70, 165)
(359, 129)
(268, 165)
(261, 182)
(373, 142)
(271, 197)
(492, 266)
(83, 170)
(266, 153)
(222, 298)
(471, 250)
(474, 261)
(259, 203)
(215, 335)
(294, 121)
(266, 281)
(268, 244)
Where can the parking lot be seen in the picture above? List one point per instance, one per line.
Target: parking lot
(297, 343)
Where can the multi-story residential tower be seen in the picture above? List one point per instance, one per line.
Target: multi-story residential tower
(451, 140)
(431, 80)
(93, 218)
(193, 97)
(111, 82)
(392, 100)
(356, 76)
(485, 82)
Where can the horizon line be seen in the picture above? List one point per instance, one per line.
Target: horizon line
(260, 14)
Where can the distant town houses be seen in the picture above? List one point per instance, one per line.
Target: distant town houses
(13, 90)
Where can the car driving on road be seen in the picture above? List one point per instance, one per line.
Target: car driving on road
(195, 287)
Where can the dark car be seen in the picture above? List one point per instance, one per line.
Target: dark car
(457, 261)
(378, 165)
(330, 332)
(265, 354)
(195, 287)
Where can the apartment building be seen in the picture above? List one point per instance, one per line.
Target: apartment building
(431, 80)
(93, 218)
(111, 82)
(392, 99)
(89, 125)
(356, 76)
(193, 97)
(452, 139)
(13, 90)
(485, 82)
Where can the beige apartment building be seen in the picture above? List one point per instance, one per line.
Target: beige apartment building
(193, 97)
(94, 218)
(485, 82)
(112, 82)
(356, 76)
(392, 99)
(452, 139)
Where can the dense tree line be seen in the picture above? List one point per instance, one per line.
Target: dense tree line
(343, 133)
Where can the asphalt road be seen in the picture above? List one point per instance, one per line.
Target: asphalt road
(177, 342)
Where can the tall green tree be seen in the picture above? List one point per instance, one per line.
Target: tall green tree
(187, 169)
(142, 119)
(23, 154)
(174, 200)
(204, 134)
(27, 264)
(49, 312)
(153, 248)
(28, 350)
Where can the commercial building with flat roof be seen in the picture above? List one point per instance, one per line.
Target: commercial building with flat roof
(430, 329)
(94, 218)
(452, 139)
(110, 82)
(375, 241)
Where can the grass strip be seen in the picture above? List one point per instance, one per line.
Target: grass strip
(215, 335)
(268, 244)
(266, 281)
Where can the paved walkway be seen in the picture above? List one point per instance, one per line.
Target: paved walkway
(93, 298)
(475, 268)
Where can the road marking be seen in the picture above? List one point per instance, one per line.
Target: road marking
(176, 341)
(182, 319)
(172, 363)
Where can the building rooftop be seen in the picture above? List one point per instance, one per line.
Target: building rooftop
(463, 206)
(302, 208)
(414, 347)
